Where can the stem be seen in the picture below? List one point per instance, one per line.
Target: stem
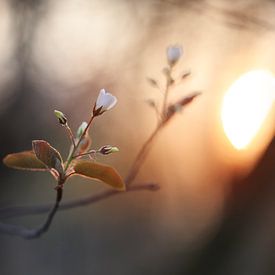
(23, 232)
(37, 232)
(20, 211)
(71, 154)
(85, 154)
(141, 156)
(164, 107)
(70, 134)
(166, 92)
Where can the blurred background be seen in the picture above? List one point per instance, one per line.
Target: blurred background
(214, 211)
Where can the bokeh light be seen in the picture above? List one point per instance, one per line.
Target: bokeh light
(246, 105)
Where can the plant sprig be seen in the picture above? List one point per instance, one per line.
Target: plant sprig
(44, 157)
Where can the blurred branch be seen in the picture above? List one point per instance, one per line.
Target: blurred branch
(15, 211)
(241, 19)
(26, 233)
(141, 156)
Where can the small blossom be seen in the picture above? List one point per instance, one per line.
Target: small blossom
(173, 54)
(107, 149)
(61, 117)
(105, 101)
(81, 129)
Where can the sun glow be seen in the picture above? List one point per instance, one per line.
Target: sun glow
(246, 106)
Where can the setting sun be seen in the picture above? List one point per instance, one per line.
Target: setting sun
(246, 105)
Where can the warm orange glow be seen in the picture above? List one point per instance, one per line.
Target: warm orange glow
(246, 106)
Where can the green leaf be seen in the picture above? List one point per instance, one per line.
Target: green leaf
(24, 160)
(48, 155)
(94, 170)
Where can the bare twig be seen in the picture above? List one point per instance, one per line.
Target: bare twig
(142, 154)
(26, 233)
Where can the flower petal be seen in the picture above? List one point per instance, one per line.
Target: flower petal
(100, 99)
(105, 101)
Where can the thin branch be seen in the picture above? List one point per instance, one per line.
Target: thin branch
(26, 233)
(71, 155)
(169, 83)
(139, 160)
(70, 134)
(19, 211)
(85, 154)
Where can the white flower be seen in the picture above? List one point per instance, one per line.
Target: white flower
(173, 54)
(105, 101)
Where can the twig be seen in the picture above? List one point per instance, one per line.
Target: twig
(85, 154)
(71, 155)
(26, 233)
(139, 160)
(70, 134)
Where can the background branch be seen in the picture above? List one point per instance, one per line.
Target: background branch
(15, 211)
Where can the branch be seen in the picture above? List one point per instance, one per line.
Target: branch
(19, 211)
(26, 233)
(141, 156)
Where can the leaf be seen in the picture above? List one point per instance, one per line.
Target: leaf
(175, 107)
(188, 99)
(107, 174)
(85, 144)
(24, 160)
(48, 155)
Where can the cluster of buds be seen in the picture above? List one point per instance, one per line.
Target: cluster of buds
(82, 142)
(173, 54)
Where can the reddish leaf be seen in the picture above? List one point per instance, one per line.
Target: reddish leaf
(175, 107)
(85, 144)
(48, 155)
(188, 99)
(24, 160)
(107, 174)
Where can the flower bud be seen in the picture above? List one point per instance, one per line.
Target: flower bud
(173, 54)
(61, 117)
(81, 129)
(107, 149)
